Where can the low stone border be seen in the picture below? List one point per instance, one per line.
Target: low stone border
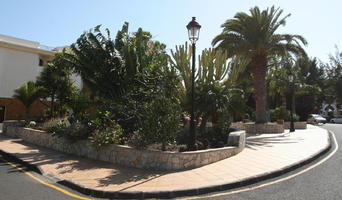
(266, 128)
(252, 128)
(297, 125)
(127, 156)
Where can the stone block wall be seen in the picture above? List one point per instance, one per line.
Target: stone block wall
(238, 125)
(266, 128)
(297, 125)
(127, 156)
(251, 128)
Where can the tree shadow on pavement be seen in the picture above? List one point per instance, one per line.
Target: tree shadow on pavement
(255, 142)
(106, 173)
(64, 165)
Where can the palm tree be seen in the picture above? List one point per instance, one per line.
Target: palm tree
(27, 94)
(254, 36)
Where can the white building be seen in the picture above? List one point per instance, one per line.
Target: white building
(22, 61)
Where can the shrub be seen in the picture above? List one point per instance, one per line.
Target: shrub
(109, 135)
(280, 113)
(161, 122)
(136, 140)
(284, 114)
(59, 128)
(48, 125)
(105, 130)
(76, 131)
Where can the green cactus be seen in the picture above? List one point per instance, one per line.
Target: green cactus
(181, 61)
(213, 65)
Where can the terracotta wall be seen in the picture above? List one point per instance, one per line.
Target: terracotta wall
(15, 109)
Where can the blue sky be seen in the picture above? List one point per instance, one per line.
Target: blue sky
(58, 23)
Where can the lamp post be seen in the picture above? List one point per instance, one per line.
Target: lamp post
(292, 129)
(193, 31)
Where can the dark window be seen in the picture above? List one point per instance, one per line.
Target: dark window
(2, 113)
(41, 62)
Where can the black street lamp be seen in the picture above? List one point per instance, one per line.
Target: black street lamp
(292, 129)
(193, 31)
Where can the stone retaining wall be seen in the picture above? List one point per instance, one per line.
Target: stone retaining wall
(263, 128)
(297, 125)
(237, 125)
(266, 128)
(258, 128)
(128, 156)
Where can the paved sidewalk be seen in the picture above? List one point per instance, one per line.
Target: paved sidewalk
(264, 155)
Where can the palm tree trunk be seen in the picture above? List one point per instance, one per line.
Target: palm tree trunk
(52, 110)
(27, 117)
(259, 63)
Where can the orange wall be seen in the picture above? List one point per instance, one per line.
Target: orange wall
(16, 110)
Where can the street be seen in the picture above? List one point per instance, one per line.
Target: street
(15, 185)
(322, 182)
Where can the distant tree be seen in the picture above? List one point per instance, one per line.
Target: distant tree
(334, 76)
(55, 82)
(254, 36)
(308, 83)
(27, 94)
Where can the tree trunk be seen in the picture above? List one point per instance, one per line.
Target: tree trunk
(27, 117)
(52, 110)
(259, 63)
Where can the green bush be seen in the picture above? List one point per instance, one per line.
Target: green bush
(105, 130)
(282, 113)
(59, 128)
(160, 123)
(108, 135)
(76, 131)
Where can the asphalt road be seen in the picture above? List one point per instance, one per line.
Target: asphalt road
(323, 182)
(15, 185)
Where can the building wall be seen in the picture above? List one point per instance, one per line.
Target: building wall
(19, 41)
(14, 109)
(19, 63)
(16, 68)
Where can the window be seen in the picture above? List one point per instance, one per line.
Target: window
(2, 113)
(41, 62)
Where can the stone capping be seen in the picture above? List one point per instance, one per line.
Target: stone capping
(252, 128)
(128, 156)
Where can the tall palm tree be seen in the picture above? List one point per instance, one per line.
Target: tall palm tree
(254, 36)
(27, 94)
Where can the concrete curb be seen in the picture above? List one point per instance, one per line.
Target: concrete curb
(174, 193)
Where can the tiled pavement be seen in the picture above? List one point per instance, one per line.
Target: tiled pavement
(264, 154)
